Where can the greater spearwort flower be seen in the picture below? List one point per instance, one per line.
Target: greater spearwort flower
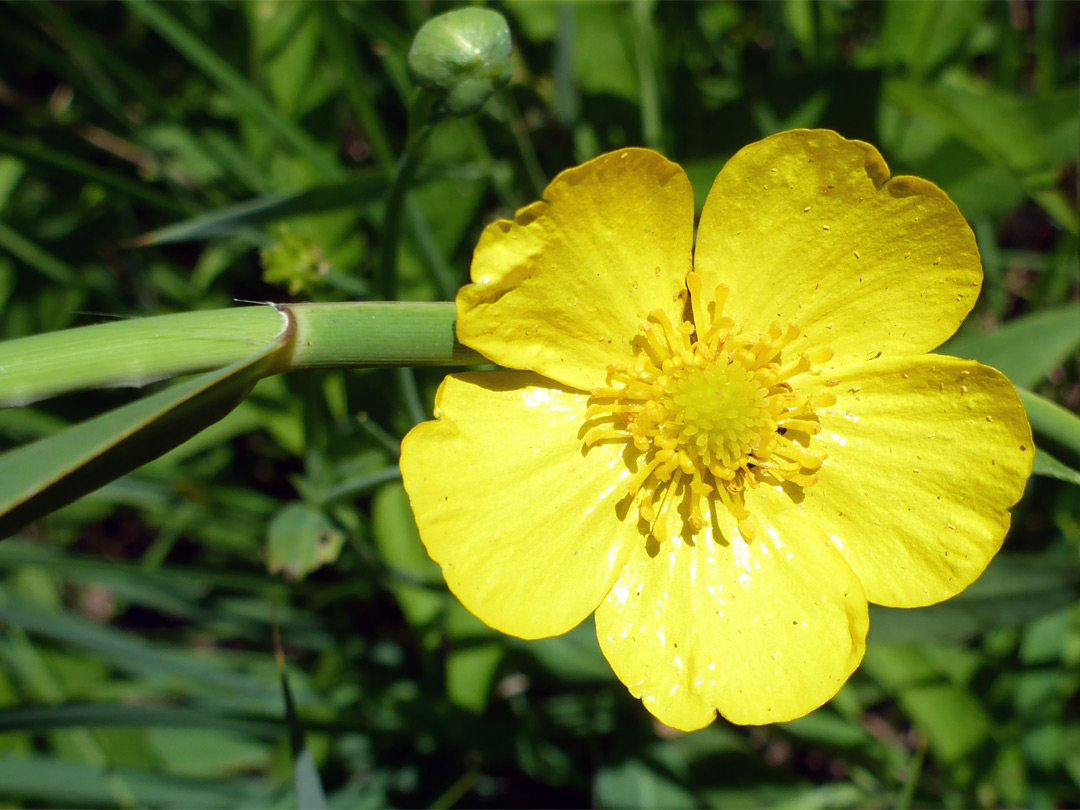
(727, 446)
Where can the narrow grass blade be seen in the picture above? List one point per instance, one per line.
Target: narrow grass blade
(231, 220)
(42, 476)
(175, 665)
(41, 260)
(1052, 421)
(353, 80)
(309, 790)
(60, 162)
(60, 782)
(139, 351)
(1049, 467)
(75, 715)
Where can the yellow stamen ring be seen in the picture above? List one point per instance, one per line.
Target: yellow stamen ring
(710, 415)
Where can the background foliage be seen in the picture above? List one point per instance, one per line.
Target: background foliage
(160, 158)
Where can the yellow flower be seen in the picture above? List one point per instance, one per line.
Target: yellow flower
(724, 446)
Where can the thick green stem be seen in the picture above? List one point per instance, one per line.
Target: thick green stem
(139, 351)
(363, 335)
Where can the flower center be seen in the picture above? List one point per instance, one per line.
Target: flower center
(709, 414)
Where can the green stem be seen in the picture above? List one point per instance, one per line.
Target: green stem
(365, 335)
(142, 350)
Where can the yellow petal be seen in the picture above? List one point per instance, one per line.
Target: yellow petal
(522, 522)
(804, 228)
(562, 289)
(926, 455)
(762, 632)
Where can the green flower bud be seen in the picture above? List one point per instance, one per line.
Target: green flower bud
(462, 57)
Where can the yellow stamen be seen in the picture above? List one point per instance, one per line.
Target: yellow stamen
(711, 411)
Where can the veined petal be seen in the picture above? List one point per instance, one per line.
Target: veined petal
(925, 457)
(522, 522)
(762, 632)
(805, 227)
(562, 288)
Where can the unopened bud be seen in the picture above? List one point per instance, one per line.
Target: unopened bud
(462, 57)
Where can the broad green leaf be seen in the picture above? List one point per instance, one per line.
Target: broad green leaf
(207, 753)
(246, 97)
(956, 723)
(472, 660)
(300, 539)
(1026, 348)
(1002, 127)
(416, 582)
(139, 351)
(920, 36)
(604, 50)
(637, 783)
(44, 475)
(286, 36)
(573, 656)
(241, 218)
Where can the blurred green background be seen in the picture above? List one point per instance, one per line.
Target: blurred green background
(161, 158)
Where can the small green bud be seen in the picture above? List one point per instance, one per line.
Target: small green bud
(462, 57)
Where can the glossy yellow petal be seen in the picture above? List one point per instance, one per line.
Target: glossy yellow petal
(926, 455)
(562, 289)
(523, 523)
(761, 632)
(804, 228)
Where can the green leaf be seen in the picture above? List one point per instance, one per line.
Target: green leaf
(1001, 126)
(573, 656)
(921, 36)
(956, 723)
(68, 783)
(246, 97)
(1048, 466)
(68, 715)
(241, 218)
(1052, 421)
(302, 538)
(1026, 348)
(309, 789)
(473, 658)
(37, 257)
(637, 783)
(44, 475)
(139, 351)
(1013, 589)
(418, 584)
